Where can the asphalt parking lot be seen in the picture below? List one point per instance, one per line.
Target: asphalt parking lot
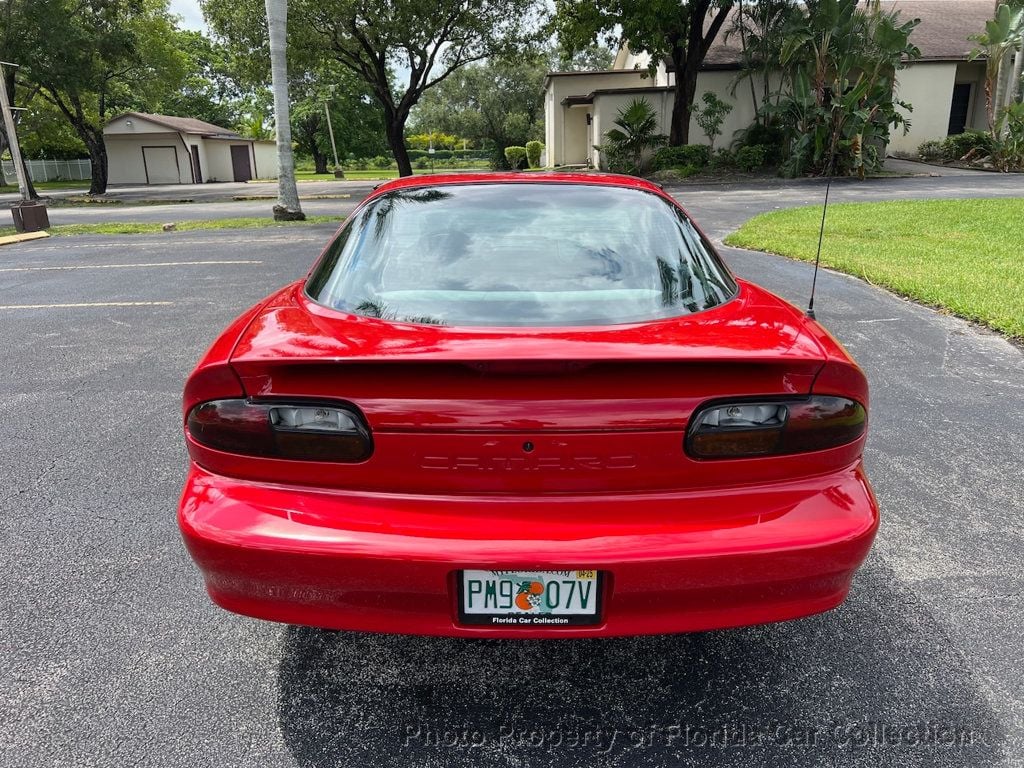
(113, 656)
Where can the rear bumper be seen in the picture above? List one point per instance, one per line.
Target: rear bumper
(675, 562)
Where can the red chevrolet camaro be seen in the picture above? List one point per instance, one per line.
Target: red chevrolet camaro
(525, 405)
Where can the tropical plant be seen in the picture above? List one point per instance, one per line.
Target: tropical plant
(841, 61)
(635, 136)
(711, 116)
(1003, 35)
(760, 24)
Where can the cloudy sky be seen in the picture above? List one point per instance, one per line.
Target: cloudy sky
(192, 17)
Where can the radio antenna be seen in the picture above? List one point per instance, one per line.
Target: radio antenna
(817, 258)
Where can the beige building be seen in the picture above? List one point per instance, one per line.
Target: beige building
(946, 90)
(161, 149)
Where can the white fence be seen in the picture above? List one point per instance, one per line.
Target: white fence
(50, 170)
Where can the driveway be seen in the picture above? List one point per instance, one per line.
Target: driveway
(113, 655)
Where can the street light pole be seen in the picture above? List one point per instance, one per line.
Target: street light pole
(12, 135)
(330, 130)
(29, 215)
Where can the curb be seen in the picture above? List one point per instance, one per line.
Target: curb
(23, 237)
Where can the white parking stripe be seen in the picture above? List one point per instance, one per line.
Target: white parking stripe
(124, 266)
(90, 304)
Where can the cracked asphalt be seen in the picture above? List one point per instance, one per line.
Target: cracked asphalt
(113, 656)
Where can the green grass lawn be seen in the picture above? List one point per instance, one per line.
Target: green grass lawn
(966, 256)
(145, 228)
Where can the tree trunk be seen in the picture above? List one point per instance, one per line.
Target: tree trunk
(1014, 87)
(288, 207)
(395, 124)
(685, 88)
(98, 162)
(319, 162)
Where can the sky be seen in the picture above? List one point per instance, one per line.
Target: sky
(192, 17)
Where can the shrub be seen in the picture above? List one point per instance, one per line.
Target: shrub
(771, 136)
(698, 155)
(421, 163)
(381, 162)
(515, 156)
(751, 158)
(962, 144)
(931, 151)
(711, 116)
(723, 158)
(534, 149)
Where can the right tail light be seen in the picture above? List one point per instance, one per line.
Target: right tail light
(770, 428)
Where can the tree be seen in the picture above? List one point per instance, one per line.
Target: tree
(842, 62)
(681, 31)
(211, 89)
(635, 134)
(355, 117)
(711, 116)
(89, 58)
(1003, 36)
(496, 104)
(430, 40)
(288, 207)
(760, 25)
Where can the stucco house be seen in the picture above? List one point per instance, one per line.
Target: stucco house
(162, 149)
(946, 90)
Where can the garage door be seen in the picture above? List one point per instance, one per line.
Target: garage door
(161, 165)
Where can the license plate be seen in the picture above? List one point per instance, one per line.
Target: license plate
(530, 598)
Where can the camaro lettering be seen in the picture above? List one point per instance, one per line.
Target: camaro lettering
(528, 464)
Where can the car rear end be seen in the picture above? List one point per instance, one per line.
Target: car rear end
(682, 473)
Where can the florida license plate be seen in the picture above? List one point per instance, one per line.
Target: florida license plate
(530, 598)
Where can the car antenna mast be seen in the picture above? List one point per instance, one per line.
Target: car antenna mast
(817, 257)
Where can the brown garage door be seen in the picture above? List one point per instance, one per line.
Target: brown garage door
(240, 165)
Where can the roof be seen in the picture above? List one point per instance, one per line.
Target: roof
(941, 35)
(945, 26)
(182, 124)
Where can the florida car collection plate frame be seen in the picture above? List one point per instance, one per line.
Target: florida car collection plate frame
(527, 598)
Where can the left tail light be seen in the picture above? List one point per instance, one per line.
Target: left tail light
(301, 431)
(749, 429)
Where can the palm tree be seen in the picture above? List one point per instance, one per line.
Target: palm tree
(288, 207)
(637, 123)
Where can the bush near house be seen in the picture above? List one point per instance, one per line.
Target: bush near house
(534, 149)
(515, 156)
(695, 155)
(751, 158)
(963, 144)
(931, 152)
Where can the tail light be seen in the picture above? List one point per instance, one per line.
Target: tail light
(744, 429)
(301, 431)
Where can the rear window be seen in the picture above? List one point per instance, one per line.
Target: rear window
(524, 254)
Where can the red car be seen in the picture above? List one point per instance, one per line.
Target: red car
(525, 405)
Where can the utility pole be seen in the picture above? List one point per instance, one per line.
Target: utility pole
(334, 147)
(29, 215)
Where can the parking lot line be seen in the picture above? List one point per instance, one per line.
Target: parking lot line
(90, 304)
(127, 266)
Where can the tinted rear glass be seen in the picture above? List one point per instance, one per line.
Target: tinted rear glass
(520, 255)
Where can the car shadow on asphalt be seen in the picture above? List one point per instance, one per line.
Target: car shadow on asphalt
(872, 683)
